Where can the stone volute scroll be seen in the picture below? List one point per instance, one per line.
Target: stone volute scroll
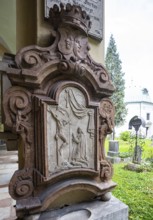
(60, 108)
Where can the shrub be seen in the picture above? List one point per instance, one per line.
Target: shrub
(148, 152)
(125, 135)
(125, 154)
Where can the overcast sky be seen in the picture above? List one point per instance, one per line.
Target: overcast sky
(131, 23)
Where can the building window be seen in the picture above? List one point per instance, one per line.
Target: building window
(148, 116)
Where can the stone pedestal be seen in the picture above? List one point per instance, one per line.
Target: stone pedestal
(113, 152)
(113, 209)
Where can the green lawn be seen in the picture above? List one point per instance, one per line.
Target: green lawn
(135, 190)
(125, 146)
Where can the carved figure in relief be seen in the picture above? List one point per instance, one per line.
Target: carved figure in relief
(73, 45)
(106, 126)
(79, 150)
(59, 133)
(103, 131)
(81, 47)
(71, 115)
(108, 112)
(106, 170)
(68, 42)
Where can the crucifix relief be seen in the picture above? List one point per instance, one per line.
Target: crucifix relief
(70, 128)
(59, 106)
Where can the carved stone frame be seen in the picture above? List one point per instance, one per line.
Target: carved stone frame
(41, 142)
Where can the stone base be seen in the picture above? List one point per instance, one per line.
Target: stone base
(114, 159)
(113, 209)
(134, 167)
(112, 154)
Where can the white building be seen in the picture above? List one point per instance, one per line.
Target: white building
(138, 103)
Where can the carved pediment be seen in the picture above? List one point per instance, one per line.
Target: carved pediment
(68, 55)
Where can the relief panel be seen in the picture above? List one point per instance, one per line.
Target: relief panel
(70, 132)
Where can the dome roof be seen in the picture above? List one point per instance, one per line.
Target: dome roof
(137, 94)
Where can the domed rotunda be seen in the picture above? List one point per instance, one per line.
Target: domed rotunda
(138, 103)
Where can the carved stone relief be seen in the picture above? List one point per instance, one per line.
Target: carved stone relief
(106, 123)
(71, 132)
(73, 44)
(58, 104)
(18, 112)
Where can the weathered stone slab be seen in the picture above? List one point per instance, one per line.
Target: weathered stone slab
(114, 209)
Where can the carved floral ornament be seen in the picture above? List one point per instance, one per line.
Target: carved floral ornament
(59, 106)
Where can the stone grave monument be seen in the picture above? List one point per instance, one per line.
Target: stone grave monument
(59, 107)
(136, 122)
(113, 152)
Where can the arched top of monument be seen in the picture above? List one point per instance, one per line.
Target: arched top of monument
(67, 58)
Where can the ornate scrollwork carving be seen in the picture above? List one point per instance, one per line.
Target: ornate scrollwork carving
(98, 70)
(106, 111)
(106, 170)
(64, 67)
(34, 57)
(59, 139)
(71, 68)
(18, 116)
(29, 58)
(102, 75)
(17, 108)
(21, 184)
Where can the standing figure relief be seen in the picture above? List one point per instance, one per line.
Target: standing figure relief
(106, 123)
(79, 149)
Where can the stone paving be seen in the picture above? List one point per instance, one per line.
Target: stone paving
(8, 164)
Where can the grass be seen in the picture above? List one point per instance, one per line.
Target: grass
(125, 146)
(135, 190)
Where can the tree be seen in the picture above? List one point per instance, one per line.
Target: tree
(113, 66)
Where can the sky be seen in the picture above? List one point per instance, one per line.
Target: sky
(131, 23)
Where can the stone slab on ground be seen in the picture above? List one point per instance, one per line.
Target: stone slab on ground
(114, 159)
(5, 178)
(134, 167)
(8, 165)
(113, 209)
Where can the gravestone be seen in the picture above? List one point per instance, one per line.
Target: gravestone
(59, 107)
(136, 122)
(113, 152)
